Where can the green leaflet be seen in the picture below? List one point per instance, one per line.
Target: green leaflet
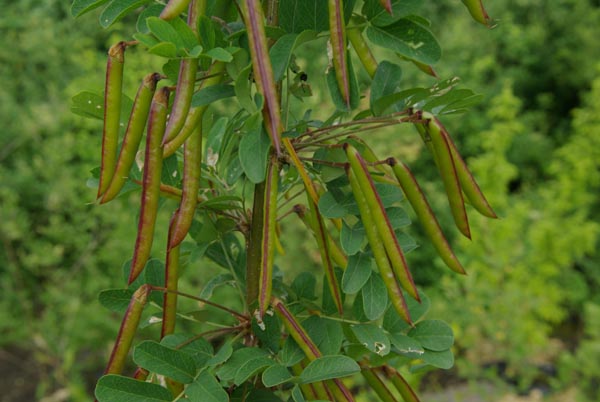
(117, 9)
(172, 363)
(329, 367)
(407, 37)
(112, 388)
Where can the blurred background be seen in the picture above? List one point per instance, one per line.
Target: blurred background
(526, 318)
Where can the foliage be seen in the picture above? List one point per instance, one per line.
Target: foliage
(286, 338)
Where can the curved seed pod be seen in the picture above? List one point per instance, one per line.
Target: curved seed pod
(336, 387)
(127, 330)
(263, 70)
(268, 237)
(467, 181)
(447, 168)
(112, 114)
(377, 385)
(183, 98)
(173, 9)
(418, 201)
(336, 254)
(296, 331)
(133, 136)
(478, 12)
(194, 117)
(337, 37)
(150, 182)
(171, 282)
(381, 220)
(379, 253)
(323, 242)
(387, 4)
(192, 156)
(400, 384)
(362, 50)
(308, 183)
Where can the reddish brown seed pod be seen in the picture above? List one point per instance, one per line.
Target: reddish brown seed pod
(150, 183)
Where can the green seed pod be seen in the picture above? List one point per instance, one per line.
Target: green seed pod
(447, 168)
(379, 253)
(362, 50)
(173, 9)
(296, 331)
(133, 136)
(377, 385)
(417, 200)
(381, 220)
(263, 70)
(112, 114)
(171, 282)
(194, 117)
(127, 331)
(337, 37)
(150, 182)
(478, 12)
(323, 242)
(192, 158)
(268, 237)
(399, 383)
(467, 181)
(183, 98)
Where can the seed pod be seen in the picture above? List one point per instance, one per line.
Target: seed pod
(133, 136)
(183, 98)
(192, 156)
(399, 383)
(478, 12)
(467, 181)
(336, 388)
(127, 331)
(377, 385)
(112, 114)
(296, 331)
(387, 4)
(381, 220)
(263, 70)
(171, 282)
(362, 50)
(268, 237)
(418, 201)
(336, 254)
(447, 168)
(320, 232)
(337, 37)
(194, 117)
(378, 249)
(173, 9)
(150, 182)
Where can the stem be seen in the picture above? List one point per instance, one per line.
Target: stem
(240, 316)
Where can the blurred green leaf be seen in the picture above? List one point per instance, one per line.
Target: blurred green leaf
(328, 367)
(160, 359)
(113, 388)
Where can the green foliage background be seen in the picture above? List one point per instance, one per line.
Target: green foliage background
(528, 312)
